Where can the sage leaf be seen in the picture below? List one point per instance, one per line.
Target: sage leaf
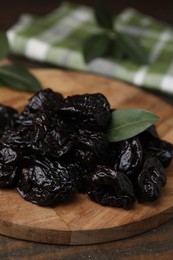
(129, 47)
(95, 46)
(103, 14)
(4, 47)
(126, 123)
(19, 78)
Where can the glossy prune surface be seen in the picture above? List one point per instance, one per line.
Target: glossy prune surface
(90, 147)
(88, 111)
(150, 180)
(154, 146)
(58, 146)
(47, 182)
(9, 165)
(8, 117)
(129, 156)
(110, 188)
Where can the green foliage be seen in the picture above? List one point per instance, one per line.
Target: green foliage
(14, 76)
(126, 123)
(111, 42)
(18, 78)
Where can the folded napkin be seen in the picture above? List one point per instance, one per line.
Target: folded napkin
(58, 39)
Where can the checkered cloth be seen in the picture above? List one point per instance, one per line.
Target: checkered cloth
(58, 39)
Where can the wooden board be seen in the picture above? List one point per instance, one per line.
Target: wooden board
(81, 221)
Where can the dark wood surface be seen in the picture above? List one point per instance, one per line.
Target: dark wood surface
(155, 244)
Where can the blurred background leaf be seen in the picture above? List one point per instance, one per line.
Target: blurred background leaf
(4, 47)
(103, 14)
(18, 78)
(95, 46)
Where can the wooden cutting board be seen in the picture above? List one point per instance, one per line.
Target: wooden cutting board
(81, 221)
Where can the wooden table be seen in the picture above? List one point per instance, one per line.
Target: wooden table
(155, 244)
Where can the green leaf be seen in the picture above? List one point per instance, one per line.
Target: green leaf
(126, 123)
(95, 46)
(4, 47)
(19, 78)
(128, 47)
(103, 14)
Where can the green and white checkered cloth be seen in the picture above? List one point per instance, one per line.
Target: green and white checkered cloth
(58, 39)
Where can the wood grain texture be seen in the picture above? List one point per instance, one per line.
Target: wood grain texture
(81, 221)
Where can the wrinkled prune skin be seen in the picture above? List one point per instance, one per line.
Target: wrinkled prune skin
(8, 117)
(110, 188)
(150, 181)
(15, 139)
(47, 182)
(88, 111)
(25, 118)
(9, 166)
(164, 153)
(40, 126)
(90, 147)
(162, 150)
(56, 140)
(154, 146)
(9, 175)
(45, 99)
(126, 156)
(56, 147)
(9, 155)
(130, 156)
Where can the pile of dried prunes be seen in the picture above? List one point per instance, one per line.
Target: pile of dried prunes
(58, 146)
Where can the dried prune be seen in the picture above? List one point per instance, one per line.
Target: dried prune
(130, 156)
(126, 156)
(88, 111)
(150, 181)
(56, 147)
(9, 169)
(90, 147)
(164, 152)
(9, 155)
(110, 188)
(47, 182)
(25, 118)
(45, 99)
(39, 127)
(15, 139)
(8, 117)
(154, 146)
(58, 139)
(9, 175)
